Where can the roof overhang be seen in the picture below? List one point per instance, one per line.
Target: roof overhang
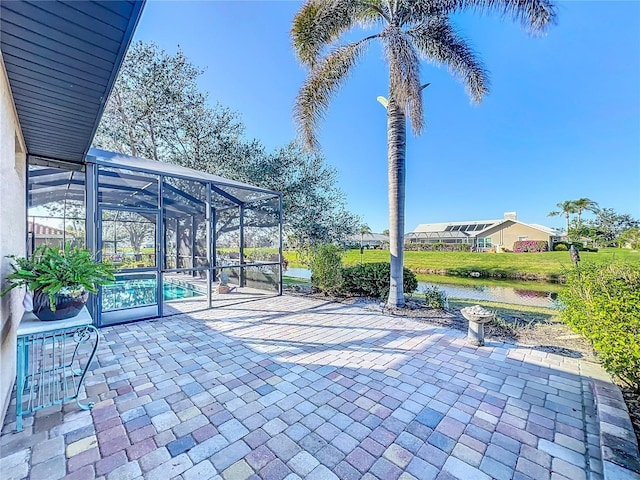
(62, 59)
(511, 221)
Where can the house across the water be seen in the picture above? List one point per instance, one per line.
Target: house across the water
(369, 240)
(483, 235)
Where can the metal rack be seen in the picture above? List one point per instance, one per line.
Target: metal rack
(53, 359)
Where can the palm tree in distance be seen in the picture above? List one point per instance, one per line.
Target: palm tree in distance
(364, 229)
(583, 204)
(409, 30)
(566, 208)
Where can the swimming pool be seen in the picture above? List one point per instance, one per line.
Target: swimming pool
(128, 293)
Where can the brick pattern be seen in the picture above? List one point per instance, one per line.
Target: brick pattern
(617, 440)
(290, 387)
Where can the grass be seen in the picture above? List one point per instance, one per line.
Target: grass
(548, 266)
(525, 313)
(290, 281)
(539, 266)
(536, 266)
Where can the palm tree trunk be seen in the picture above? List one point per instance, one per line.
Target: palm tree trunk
(397, 146)
(579, 218)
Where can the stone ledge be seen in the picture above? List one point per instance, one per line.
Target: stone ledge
(620, 459)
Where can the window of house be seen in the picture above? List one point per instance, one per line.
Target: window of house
(522, 239)
(484, 242)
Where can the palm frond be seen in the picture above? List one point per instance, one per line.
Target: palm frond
(411, 12)
(373, 12)
(534, 15)
(438, 42)
(319, 23)
(320, 85)
(404, 75)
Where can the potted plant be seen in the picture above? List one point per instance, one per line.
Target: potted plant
(59, 279)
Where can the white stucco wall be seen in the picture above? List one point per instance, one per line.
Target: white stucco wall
(12, 232)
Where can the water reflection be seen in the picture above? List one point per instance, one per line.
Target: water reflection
(478, 291)
(304, 273)
(515, 296)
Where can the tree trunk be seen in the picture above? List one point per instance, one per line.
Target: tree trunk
(152, 135)
(397, 146)
(127, 123)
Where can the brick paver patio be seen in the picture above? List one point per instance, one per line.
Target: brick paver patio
(290, 387)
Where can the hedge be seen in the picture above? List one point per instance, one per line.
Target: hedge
(437, 247)
(326, 268)
(530, 246)
(602, 302)
(564, 246)
(373, 280)
(369, 279)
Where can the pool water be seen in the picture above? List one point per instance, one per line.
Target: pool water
(172, 291)
(140, 292)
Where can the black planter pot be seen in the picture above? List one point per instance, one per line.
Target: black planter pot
(67, 306)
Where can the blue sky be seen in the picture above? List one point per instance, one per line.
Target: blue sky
(562, 120)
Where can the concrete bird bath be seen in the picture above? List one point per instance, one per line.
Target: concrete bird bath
(477, 317)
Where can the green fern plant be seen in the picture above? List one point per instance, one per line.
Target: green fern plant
(54, 271)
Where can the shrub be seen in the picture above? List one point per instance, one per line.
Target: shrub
(564, 246)
(437, 247)
(326, 268)
(372, 279)
(603, 304)
(530, 246)
(630, 238)
(435, 298)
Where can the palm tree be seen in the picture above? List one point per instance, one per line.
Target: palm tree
(566, 208)
(409, 30)
(364, 229)
(581, 205)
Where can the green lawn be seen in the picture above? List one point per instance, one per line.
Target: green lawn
(290, 281)
(505, 310)
(538, 266)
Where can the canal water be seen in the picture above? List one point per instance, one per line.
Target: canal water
(303, 273)
(496, 293)
(537, 295)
